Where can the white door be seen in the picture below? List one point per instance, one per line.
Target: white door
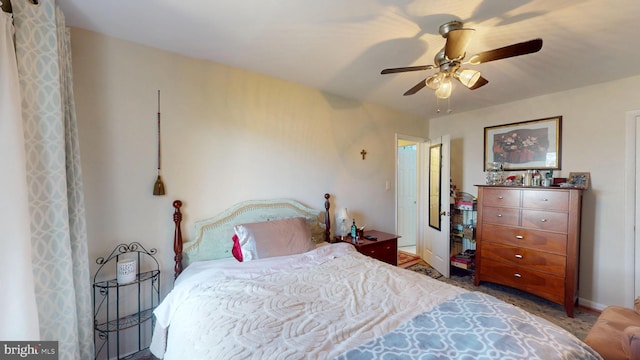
(407, 194)
(436, 204)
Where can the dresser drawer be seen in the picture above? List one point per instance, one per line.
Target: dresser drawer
(545, 220)
(546, 200)
(542, 284)
(386, 251)
(539, 240)
(531, 259)
(501, 197)
(499, 215)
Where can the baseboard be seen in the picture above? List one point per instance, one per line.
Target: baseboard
(589, 305)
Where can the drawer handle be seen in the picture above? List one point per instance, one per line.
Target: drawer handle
(545, 199)
(500, 197)
(520, 237)
(499, 215)
(518, 256)
(517, 275)
(543, 220)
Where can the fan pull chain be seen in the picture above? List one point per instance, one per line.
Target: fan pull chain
(449, 111)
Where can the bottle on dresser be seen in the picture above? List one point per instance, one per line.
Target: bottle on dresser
(354, 231)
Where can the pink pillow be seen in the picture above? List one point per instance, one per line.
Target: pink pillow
(274, 238)
(236, 250)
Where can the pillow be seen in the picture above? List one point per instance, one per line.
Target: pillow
(274, 238)
(236, 251)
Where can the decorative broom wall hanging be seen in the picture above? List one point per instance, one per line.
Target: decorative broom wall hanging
(158, 187)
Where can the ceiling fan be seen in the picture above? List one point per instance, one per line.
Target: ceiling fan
(449, 60)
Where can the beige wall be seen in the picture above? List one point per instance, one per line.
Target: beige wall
(228, 136)
(593, 140)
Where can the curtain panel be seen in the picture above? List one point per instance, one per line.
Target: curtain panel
(55, 245)
(17, 304)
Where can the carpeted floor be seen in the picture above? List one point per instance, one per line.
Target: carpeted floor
(579, 325)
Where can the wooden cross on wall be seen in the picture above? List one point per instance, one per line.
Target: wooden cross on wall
(363, 153)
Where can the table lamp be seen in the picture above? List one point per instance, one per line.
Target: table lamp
(342, 219)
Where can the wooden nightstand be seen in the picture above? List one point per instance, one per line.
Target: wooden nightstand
(384, 249)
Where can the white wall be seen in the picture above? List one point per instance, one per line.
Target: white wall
(593, 140)
(228, 135)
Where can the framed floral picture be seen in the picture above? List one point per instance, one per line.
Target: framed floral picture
(526, 145)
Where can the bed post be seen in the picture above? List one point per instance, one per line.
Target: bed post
(327, 218)
(177, 239)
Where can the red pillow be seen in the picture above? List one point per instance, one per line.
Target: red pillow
(236, 250)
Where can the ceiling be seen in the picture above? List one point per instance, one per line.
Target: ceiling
(340, 46)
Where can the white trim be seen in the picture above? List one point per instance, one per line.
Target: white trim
(590, 304)
(631, 240)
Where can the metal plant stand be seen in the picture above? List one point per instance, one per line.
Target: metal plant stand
(114, 316)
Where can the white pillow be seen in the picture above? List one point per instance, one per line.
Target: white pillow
(274, 238)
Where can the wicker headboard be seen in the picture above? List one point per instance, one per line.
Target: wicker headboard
(213, 235)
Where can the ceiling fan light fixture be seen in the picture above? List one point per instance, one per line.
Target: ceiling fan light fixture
(444, 90)
(467, 77)
(450, 58)
(433, 82)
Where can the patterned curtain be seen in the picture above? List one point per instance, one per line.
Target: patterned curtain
(18, 314)
(59, 254)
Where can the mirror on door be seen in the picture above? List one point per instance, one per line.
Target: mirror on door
(434, 185)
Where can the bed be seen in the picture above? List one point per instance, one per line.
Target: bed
(295, 299)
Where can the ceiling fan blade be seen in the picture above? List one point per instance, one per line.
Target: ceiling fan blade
(518, 49)
(481, 82)
(405, 69)
(457, 42)
(416, 88)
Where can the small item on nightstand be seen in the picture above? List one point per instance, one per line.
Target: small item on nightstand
(354, 231)
(370, 237)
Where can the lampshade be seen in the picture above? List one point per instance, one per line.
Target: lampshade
(444, 90)
(468, 77)
(342, 214)
(342, 218)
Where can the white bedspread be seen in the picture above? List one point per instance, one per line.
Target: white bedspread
(315, 305)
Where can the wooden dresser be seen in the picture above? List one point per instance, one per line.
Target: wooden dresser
(529, 238)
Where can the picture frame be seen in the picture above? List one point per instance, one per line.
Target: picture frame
(525, 145)
(579, 180)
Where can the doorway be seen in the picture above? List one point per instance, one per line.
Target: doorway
(407, 192)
